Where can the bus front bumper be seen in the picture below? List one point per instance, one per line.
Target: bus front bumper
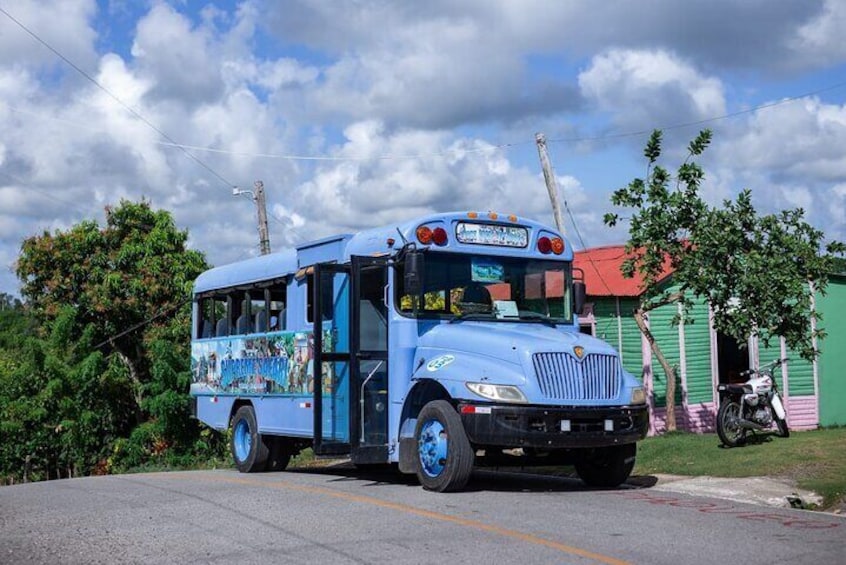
(510, 426)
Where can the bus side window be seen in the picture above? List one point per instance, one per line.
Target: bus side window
(205, 315)
(278, 295)
(223, 324)
(327, 298)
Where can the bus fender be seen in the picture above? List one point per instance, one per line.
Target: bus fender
(423, 392)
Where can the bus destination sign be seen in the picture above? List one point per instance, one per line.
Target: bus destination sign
(492, 234)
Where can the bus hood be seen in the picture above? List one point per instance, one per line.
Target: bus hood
(495, 352)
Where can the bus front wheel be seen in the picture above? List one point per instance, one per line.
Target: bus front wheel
(444, 455)
(248, 450)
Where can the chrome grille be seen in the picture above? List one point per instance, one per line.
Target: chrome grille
(562, 377)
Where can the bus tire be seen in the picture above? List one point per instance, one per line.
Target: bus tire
(607, 467)
(248, 450)
(279, 453)
(445, 458)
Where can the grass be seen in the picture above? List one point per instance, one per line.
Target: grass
(816, 460)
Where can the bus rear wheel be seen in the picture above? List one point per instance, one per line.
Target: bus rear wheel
(279, 452)
(248, 450)
(445, 458)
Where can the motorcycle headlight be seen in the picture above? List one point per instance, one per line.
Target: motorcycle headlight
(638, 396)
(500, 393)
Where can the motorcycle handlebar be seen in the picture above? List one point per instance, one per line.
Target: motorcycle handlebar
(766, 368)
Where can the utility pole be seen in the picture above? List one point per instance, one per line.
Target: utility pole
(257, 196)
(264, 235)
(549, 178)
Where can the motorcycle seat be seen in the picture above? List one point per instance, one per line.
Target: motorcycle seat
(735, 388)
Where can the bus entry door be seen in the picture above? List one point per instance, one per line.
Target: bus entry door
(369, 359)
(332, 391)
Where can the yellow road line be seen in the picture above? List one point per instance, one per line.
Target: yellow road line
(505, 532)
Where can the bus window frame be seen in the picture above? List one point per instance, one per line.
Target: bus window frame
(242, 292)
(419, 313)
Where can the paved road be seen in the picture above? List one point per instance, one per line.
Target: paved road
(349, 516)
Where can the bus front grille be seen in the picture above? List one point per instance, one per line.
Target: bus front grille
(562, 377)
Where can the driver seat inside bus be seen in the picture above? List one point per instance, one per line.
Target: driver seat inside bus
(477, 293)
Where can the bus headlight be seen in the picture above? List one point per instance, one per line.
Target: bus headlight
(638, 396)
(500, 393)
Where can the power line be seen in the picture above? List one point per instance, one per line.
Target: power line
(703, 121)
(139, 325)
(584, 247)
(115, 98)
(388, 157)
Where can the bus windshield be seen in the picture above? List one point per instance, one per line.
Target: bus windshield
(484, 287)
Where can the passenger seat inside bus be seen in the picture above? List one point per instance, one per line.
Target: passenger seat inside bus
(222, 328)
(261, 320)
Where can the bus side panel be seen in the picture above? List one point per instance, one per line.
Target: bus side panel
(214, 411)
(285, 415)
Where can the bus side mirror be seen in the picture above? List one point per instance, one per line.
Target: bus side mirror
(415, 266)
(579, 296)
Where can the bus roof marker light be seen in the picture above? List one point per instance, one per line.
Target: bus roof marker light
(493, 215)
(557, 245)
(472, 215)
(424, 235)
(512, 218)
(544, 245)
(439, 236)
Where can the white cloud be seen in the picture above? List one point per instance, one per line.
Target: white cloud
(454, 174)
(820, 40)
(182, 57)
(64, 25)
(796, 141)
(642, 88)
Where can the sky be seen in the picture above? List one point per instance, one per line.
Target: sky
(356, 114)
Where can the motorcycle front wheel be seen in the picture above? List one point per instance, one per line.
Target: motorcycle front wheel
(728, 424)
(782, 428)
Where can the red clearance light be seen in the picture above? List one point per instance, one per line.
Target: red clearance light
(468, 409)
(557, 245)
(544, 245)
(439, 236)
(424, 235)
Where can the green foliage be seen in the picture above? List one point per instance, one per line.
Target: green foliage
(757, 272)
(94, 369)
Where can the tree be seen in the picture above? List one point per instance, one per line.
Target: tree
(105, 374)
(133, 274)
(758, 273)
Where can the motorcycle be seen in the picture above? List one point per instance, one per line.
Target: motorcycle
(751, 406)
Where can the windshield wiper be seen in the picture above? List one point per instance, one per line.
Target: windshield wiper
(537, 316)
(471, 315)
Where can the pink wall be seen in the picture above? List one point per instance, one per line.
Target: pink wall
(658, 421)
(702, 418)
(802, 413)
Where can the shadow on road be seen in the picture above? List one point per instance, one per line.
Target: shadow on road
(483, 479)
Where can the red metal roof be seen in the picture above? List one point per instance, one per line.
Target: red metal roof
(601, 266)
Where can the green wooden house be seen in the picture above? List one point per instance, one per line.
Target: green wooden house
(815, 393)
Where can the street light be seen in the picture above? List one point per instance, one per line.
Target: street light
(257, 196)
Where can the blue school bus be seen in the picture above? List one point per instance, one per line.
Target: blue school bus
(437, 345)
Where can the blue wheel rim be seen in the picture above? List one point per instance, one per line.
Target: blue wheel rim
(432, 445)
(243, 440)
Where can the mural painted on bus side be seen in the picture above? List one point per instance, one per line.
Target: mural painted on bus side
(279, 363)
